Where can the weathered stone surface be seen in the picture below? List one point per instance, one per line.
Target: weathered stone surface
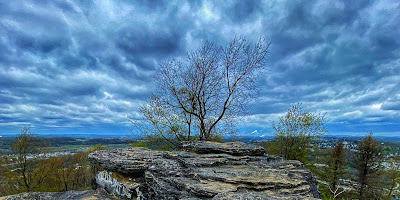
(186, 175)
(127, 161)
(232, 148)
(205, 176)
(258, 196)
(99, 194)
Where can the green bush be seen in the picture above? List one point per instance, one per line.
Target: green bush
(140, 144)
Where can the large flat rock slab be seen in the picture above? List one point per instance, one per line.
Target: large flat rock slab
(215, 175)
(232, 148)
(132, 161)
(177, 175)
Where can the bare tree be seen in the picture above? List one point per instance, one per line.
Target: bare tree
(212, 85)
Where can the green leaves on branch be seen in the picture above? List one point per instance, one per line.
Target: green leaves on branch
(295, 132)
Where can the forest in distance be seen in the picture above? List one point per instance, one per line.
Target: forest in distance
(72, 140)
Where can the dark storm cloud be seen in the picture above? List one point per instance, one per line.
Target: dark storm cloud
(341, 59)
(140, 43)
(73, 64)
(242, 11)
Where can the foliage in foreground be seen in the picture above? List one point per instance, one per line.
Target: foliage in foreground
(295, 133)
(337, 169)
(360, 177)
(33, 172)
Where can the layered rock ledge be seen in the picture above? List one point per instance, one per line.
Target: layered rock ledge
(206, 170)
(232, 148)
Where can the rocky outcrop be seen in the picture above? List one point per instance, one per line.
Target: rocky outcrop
(210, 171)
(99, 194)
(125, 161)
(232, 148)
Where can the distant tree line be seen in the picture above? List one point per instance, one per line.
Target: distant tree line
(6, 142)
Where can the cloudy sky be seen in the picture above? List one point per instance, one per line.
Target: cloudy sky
(71, 66)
